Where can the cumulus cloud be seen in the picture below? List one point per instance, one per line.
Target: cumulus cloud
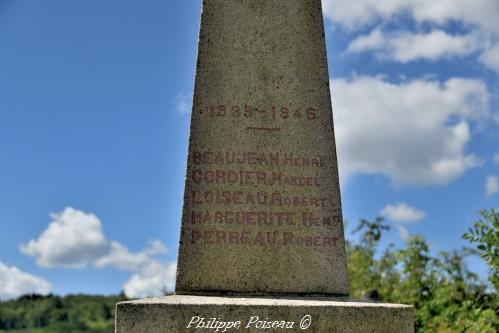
(406, 46)
(154, 280)
(375, 40)
(75, 239)
(478, 16)
(14, 283)
(491, 185)
(151, 277)
(120, 257)
(402, 213)
(359, 13)
(403, 232)
(354, 14)
(414, 132)
(72, 239)
(490, 57)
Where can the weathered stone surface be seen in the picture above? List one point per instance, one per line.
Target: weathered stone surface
(262, 212)
(174, 313)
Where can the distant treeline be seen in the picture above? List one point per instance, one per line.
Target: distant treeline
(447, 296)
(55, 314)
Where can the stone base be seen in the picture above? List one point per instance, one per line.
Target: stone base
(180, 313)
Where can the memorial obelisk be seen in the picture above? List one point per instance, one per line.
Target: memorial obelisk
(262, 229)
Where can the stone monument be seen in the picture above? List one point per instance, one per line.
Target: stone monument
(262, 244)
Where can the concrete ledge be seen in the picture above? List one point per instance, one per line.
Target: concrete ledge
(175, 313)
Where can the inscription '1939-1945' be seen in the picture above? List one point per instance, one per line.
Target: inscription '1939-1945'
(248, 111)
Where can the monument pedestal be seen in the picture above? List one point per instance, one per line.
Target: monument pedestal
(262, 210)
(179, 313)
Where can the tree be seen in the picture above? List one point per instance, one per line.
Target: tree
(485, 234)
(446, 295)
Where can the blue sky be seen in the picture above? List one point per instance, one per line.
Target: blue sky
(94, 113)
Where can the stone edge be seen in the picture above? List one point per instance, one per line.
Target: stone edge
(260, 301)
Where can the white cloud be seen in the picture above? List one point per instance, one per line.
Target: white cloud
(75, 239)
(359, 13)
(375, 40)
(415, 132)
(151, 277)
(478, 16)
(483, 13)
(14, 283)
(406, 46)
(403, 232)
(184, 103)
(154, 280)
(353, 14)
(72, 239)
(490, 57)
(402, 213)
(491, 185)
(120, 257)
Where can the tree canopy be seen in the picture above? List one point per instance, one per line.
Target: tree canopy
(447, 296)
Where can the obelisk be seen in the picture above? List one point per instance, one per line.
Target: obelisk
(262, 229)
(262, 197)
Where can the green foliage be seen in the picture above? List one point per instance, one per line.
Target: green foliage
(371, 231)
(54, 314)
(446, 295)
(485, 233)
(364, 271)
